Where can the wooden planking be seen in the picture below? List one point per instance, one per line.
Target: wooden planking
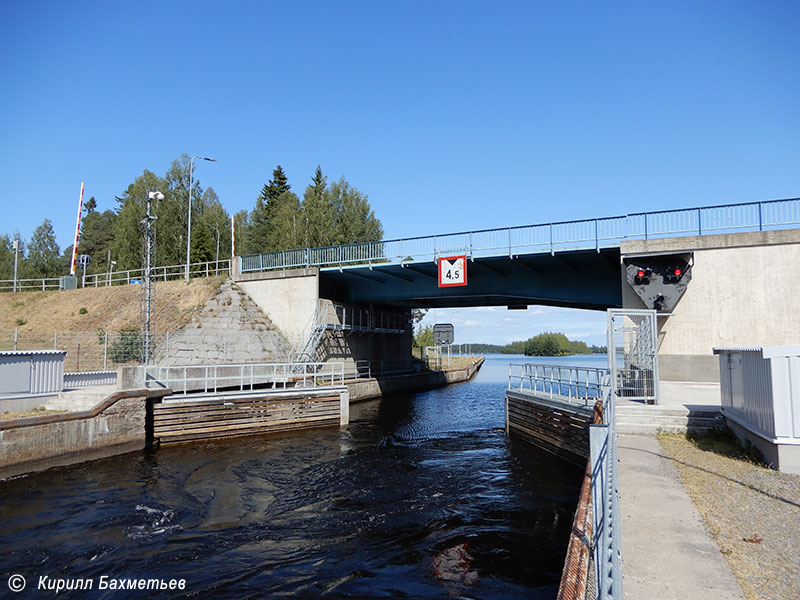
(557, 427)
(224, 417)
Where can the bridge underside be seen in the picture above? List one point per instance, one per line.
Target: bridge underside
(578, 279)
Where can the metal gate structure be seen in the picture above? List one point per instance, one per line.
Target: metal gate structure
(633, 354)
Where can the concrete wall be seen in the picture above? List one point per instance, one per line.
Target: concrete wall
(743, 291)
(36, 443)
(288, 298)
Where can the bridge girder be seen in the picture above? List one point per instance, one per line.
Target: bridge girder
(578, 279)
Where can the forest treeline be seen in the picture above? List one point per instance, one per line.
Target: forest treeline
(544, 344)
(329, 213)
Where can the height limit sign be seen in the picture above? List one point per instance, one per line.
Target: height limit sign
(452, 271)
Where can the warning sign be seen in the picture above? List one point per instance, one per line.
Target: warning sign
(452, 271)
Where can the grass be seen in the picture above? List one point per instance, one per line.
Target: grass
(111, 308)
(725, 443)
(34, 412)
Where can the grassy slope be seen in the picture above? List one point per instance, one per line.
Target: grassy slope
(110, 308)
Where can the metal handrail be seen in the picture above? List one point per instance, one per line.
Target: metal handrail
(560, 382)
(606, 542)
(245, 376)
(550, 237)
(166, 273)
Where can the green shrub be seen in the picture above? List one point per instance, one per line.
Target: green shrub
(127, 347)
(83, 310)
(21, 322)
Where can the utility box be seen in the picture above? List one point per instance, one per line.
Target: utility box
(68, 282)
(26, 375)
(760, 396)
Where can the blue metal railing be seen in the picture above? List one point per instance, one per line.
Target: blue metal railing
(607, 524)
(550, 237)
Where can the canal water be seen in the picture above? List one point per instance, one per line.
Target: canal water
(421, 496)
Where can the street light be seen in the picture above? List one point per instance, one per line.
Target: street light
(189, 227)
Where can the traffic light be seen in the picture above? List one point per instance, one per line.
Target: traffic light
(642, 276)
(673, 274)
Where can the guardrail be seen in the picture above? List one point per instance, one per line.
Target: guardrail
(550, 237)
(382, 368)
(214, 378)
(167, 273)
(606, 543)
(573, 384)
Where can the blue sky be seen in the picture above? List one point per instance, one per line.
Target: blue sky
(449, 115)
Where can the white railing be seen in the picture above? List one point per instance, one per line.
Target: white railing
(241, 377)
(573, 384)
(167, 273)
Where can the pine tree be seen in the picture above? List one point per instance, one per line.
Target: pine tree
(265, 210)
(43, 251)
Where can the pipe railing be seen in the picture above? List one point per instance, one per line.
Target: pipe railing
(214, 378)
(166, 273)
(573, 384)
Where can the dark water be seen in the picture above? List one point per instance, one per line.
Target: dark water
(422, 497)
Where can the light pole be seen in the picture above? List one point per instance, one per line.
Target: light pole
(189, 227)
(216, 262)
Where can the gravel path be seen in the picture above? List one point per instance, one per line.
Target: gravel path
(753, 513)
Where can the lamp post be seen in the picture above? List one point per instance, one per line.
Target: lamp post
(189, 227)
(216, 262)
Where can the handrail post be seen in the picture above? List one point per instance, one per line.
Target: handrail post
(699, 222)
(760, 225)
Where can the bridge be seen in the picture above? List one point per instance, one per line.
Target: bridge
(575, 263)
(741, 257)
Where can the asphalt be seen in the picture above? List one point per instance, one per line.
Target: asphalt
(667, 551)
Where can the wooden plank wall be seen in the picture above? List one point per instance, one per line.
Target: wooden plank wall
(231, 416)
(558, 427)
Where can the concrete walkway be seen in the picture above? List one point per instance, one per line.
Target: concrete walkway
(667, 551)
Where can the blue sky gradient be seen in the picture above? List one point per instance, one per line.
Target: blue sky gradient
(450, 116)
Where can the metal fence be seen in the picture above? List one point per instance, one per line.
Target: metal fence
(168, 273)
(573, 384)
(633, 354)
(550, 237)
(606, 542)
(248, 376)
(89, 379)
(107, 350)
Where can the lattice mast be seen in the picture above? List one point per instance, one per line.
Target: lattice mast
(148, 289)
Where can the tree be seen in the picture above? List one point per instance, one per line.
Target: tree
(317, 214)
(97, 234)
(264, 212)
(424, 337)
(354, 221)
(126, 247)
(284, 227)
(43, 251)
(6, 258)
(242, 233)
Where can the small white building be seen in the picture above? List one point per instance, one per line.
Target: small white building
(760, 389)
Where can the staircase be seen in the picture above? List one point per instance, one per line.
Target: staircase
(647, 419)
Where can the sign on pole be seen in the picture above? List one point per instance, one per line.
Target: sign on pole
(443, 334)
(452, 271)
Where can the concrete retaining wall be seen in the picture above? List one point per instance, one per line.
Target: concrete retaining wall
(367, 389)
(288, 298)
(743, 292)
(115, 426)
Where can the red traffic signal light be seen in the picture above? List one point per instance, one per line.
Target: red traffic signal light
(673, 275)
(642, 277)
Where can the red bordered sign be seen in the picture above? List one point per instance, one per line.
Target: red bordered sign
(452, 271)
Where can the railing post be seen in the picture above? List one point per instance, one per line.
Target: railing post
(760, 225)
(596, 237)
(699, 222)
